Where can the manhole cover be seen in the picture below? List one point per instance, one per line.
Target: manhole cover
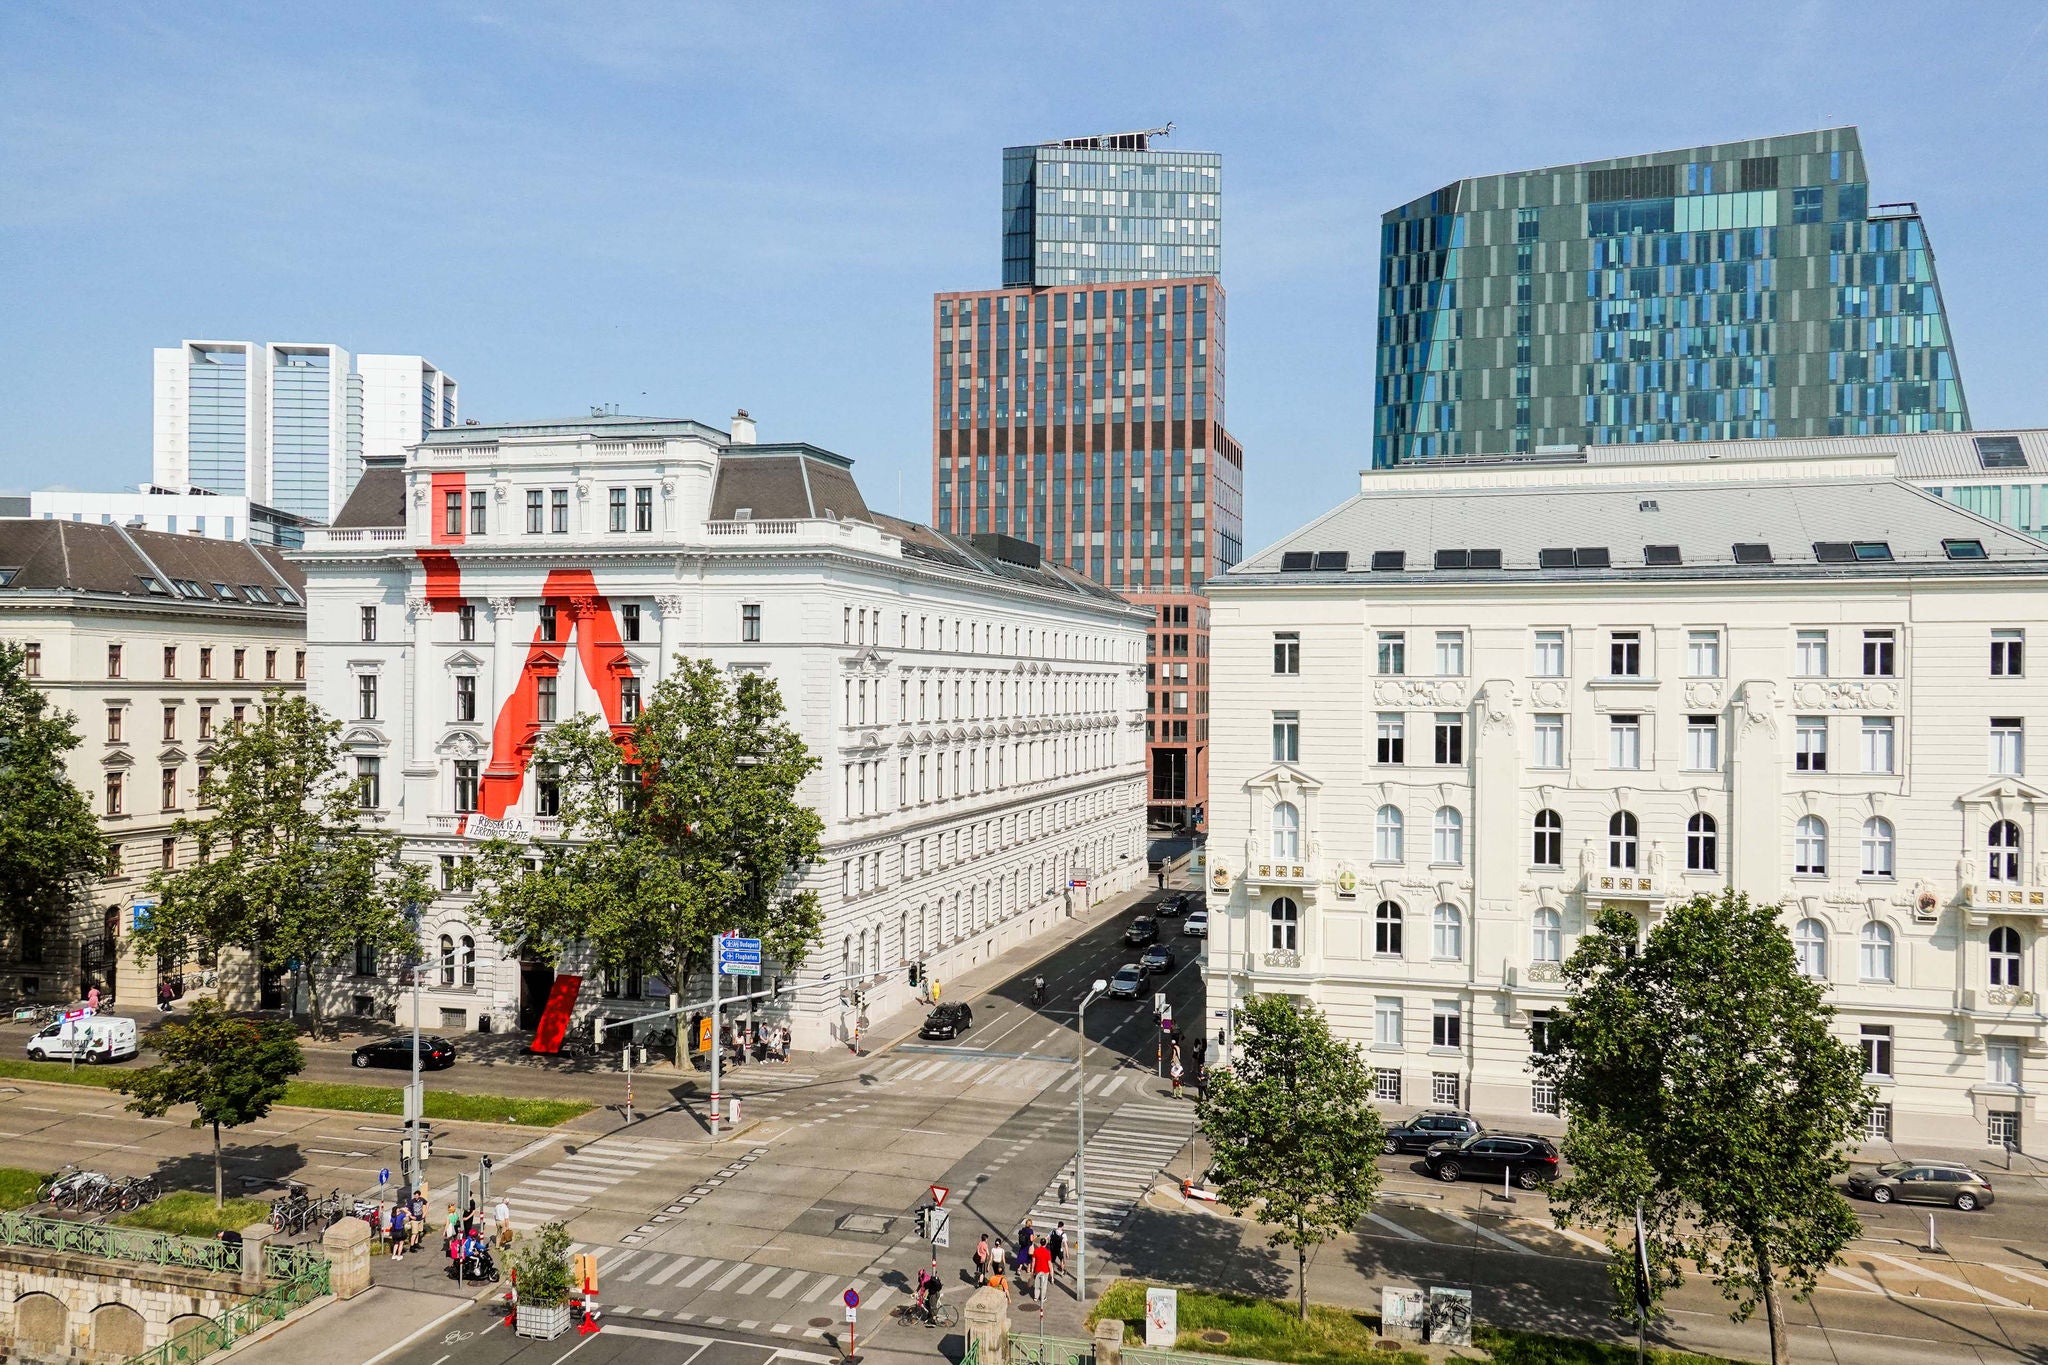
(1214, 1337)
(873, 1224)
(820, 1322)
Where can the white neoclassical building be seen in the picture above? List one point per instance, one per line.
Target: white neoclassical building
(978, 714)
(1476, 703)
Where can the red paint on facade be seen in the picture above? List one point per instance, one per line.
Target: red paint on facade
(444, 580)
(453, 482)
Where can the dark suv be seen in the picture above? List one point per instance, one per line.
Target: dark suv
(1525, 1158)
(1176, 904)
(947, 1021)
(1142, 930)
(1430, 1127)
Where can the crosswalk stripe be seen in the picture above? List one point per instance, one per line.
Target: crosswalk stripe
(768, 1273)
(1095, 1085)
(928, 1069)
(1488, 1233)
(825, 1283)
(1391, 1226)
(699, 1273)
(728, 1277)
(781, 1291)
(874, 1302)
(646, 1264)
(669, 1271)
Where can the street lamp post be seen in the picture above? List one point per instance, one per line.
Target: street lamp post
(1081, 1141)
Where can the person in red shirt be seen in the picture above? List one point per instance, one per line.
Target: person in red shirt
(1041, 1270)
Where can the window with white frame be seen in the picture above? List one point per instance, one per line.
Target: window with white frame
(1285, 918)
(1622, 841)
(1386, 1085)
(2004, 956)
(1386, 930)
(1547, 840)
(1549, 659)
(1624, 654)
(1448, 849)
(2008, 746)
(1703, 743)
(1546, 936)
(1874, 951)
(1810, 948)
(1810, 744)
(1810, 653)
(2002, 843)
(1447, 934)
(1390, 744)
(1543, 1098)
(1287, 737)
(1877, 1123)
(1547, 751)
(1391, 653)
(1445, 1087)
(1702, 843)
(2008, 653)
(1624, 741)
(2002, 1063)
(1286, 830)
(1878, 841)
(1448, 733)
(1450, 654)
(1287, 651)
(1877, 1051)
(1880, 751)
(1880, 654)
(1386, 835)
(1703, 653)
(1446, 1024)
(1810, 846)
(1386, 1021)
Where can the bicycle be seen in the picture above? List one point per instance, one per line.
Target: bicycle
(945, 1315)
(136, 1191)
(81, 1197)
(60, 1184)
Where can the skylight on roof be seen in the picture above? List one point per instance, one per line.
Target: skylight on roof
(154, 585)
(1332, 560)
(224, 592)
(1964, 549)
(1752, 552)
(1389, 561)
(2000, 452)
(1584, 557)
(1468, 559)
(1296, 561)
(1833, 552)
(1659, 555)
(1868, 550)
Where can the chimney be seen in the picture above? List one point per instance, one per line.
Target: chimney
(742, 428)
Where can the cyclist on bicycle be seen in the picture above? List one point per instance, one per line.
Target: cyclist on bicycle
(928, 1286)
(1038, 990)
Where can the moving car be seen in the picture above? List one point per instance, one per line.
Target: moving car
(1143, 929)
(1525, 1158)
(1176, 904)
(947, 1021)
(435, 1053)
(1157, 958)
(102, 1038)
(1922, 1182)
(1430, 1127)
(1128, 981)
(1196, 925)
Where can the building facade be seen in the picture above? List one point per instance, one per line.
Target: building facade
(975, 710)
(1743, 290)
(286, 423)
(1090, 421)
(173, 511)
(156, 644)
(1484, 703)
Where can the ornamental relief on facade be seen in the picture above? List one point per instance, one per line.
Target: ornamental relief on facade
(1813, 694)
(1547, 693)
(1703, 696)
(1419, 692)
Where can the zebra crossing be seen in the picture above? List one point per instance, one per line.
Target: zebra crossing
(576, 1180)
(1028, 1073)
(1125, 1155)
(634, 1278)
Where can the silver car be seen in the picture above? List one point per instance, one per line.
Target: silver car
(1196, 925)
(1128, 981)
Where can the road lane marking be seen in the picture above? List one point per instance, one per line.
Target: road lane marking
(1867, 1286)
(1391, 1226)
(1488, 1233)
(1914, 1267)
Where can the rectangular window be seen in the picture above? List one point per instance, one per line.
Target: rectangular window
(170, 789)
(1286, 737)
(241, 664)
(369, 783)
(1391, 655)
(629, 699)
(558, 509)
(2002, 1063)
(366, 696)
(1450, 654)
(1390, 745)
(369, 624)
(1880, 752)
(2008, 746)
(1877, 1051)
(643, 508)
(270, 665)
(1386, 1085)
(547, 624)
(465, 623)
(1877, 1123)
(1810, 654)
(114, 661)
(1448, 733)
(299, 664)
(750, 623)
(114, 714)
(1548, 750)
(451, 512)
(465, 785)
(170, 724)
(113, 793)
(1445, 1088)
(629, 622)
(479, 505)
(1543, 1098)
(536, 511)
(2002, 1128)
(547, 790)
(618, 509)
(1625, 741)
(167, 853)
(1703, 653)
(1703, 743)
(1446, 1024)
(544, 697)
(1549, 661)
(1624, 654)
(205, 661)
(465, 696)
(1386, 1022)
(1287, 652)
(1880, 654)
(2008, 653)
(1810, 744)
(170, 661)
(32, 659)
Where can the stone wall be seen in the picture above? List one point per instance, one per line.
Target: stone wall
(64, 1307)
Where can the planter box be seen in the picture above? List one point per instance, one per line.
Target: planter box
(543, 1323)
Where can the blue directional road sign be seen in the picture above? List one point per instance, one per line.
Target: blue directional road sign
(739, 956)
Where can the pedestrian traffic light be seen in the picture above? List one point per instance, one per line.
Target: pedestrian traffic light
(916, 974)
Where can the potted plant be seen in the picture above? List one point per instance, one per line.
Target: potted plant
(541, 1271)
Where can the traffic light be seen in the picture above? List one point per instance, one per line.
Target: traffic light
(916, 973)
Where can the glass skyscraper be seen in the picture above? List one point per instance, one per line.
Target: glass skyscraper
(1080, 407)
(1744, 290)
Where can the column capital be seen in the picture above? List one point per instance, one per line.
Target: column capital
(418, 608)
(671, 606)
(502, 607)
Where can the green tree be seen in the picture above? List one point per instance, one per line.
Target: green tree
(50, 842)
(1703, 1082)
(286, 870)
(1292, 1129)
(686, 826)
(231, 1069)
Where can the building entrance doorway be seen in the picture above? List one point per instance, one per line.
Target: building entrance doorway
(536, 979)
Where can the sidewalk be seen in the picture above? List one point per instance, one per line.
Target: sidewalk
(363, 1329)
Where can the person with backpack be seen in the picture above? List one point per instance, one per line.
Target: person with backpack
(981, 1260)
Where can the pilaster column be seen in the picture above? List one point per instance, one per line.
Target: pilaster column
(421, 614)
(671, 609)
(505, 655)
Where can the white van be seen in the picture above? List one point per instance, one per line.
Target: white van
(102, 1038)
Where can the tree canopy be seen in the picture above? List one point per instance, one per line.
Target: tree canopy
(679, 827)
(285, 867)
(1702, 1081)
(1292, 1129)
(51, 848)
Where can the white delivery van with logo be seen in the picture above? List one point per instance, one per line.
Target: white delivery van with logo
(102, 1038)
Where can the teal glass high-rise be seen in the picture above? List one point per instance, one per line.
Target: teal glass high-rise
(1110, 210)
(1744, 290)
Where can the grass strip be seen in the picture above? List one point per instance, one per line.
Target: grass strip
(60, 1073)
(18, 1187)
(190, 1213)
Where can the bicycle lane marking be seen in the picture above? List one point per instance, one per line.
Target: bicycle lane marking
(1915, 1268)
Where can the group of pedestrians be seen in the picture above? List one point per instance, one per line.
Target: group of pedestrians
(1035, 1258)
(770, 1043)
(466, 1234)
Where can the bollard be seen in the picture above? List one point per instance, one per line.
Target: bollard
(1932, 1243)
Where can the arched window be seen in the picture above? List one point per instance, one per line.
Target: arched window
(1450, 836)
(1810, 846)
(1702, 844)
(2005, 851)
(466, 954)
(1810, 947)
(447, 960)
(1621, 841)
(1286, 830)
(1549, 841)
(1386, 835)
(1386, 929)
(1546, 940)
(1877, 848)
(1286, 920)
(1447, 933)
(1875, 952)
(2005, 956)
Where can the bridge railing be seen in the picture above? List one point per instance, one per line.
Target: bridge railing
(112, 1243)
(279, 1301)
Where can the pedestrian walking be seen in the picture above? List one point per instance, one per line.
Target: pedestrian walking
(981, 1260)
(1177, 1072)
(1056, 1243)
(400, 1216)
(1041, 1272)
(503, 1215)
(164, 996)
(998, 1263)
(416, 1223)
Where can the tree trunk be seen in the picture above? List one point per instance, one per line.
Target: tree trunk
(219, 1202)
(1774, 1313)
(1301, 1280)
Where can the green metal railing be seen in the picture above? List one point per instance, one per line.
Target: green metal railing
(278, 1301)
(117, 1243)
(290, 1262)
(1029, 1348)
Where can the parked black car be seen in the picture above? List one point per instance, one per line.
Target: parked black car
(1176, 904)
(1143, 929)
(1430, 1127)
(947, 1021)
(435, 1053)
(1923, 1182)
(1157, 958)
(1525, 1158)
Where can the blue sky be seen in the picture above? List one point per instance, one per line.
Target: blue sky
(687, 208)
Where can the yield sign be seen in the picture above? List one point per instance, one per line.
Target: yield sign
(939, 1193)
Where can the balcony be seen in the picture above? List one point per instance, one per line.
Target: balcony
(479, 827)
(1630, 886)
(1980, 902)
(794, 533)
(352, 537)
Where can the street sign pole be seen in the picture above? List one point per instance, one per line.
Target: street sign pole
(717, 973)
